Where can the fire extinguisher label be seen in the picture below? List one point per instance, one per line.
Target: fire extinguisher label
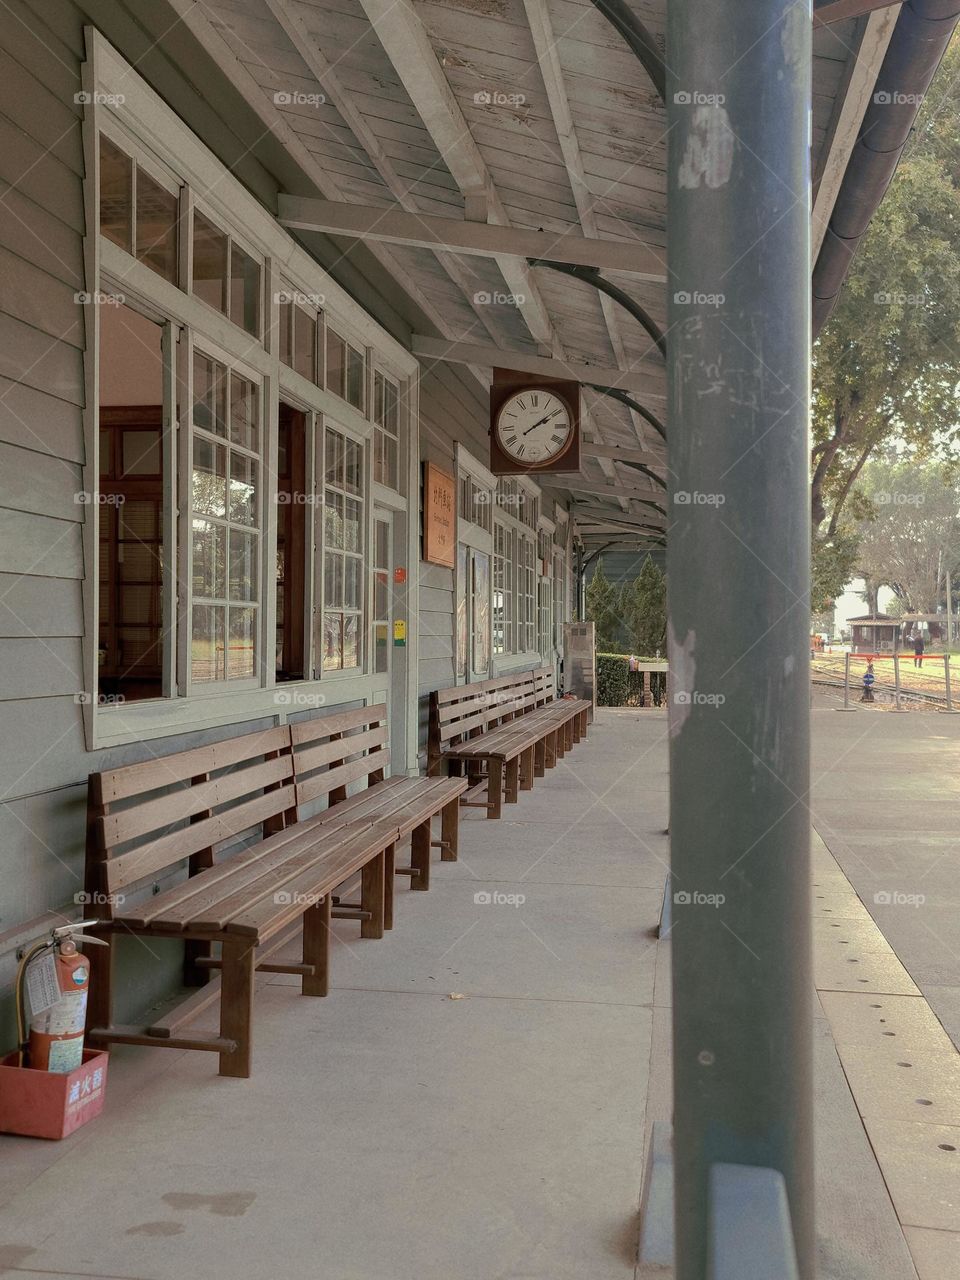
(65, 1055)
(65, 1018)
(43, 987)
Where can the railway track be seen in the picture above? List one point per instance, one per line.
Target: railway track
(889, 692)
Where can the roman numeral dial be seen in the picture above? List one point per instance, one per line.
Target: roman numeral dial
(534, 427)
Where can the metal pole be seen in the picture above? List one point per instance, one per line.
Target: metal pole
(846, 682)
(738, 105)
(946, 680)
(896, 682)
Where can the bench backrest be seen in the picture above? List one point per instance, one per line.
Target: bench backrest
(467, 710)
(145, 818)
(545, 685)
(331, 751)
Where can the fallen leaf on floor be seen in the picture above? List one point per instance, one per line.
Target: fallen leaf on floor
(456, 995)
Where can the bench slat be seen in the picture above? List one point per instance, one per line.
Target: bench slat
(324, 783)
(179, 805)
(135, 779)
(262, 917)
(312, 757)
(127, 868)
(324, 725)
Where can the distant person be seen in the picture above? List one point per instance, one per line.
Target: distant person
(918, 650)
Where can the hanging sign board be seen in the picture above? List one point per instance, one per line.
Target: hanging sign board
(399, 633)
(439, 516)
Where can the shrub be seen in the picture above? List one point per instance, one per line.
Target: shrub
(613, 680)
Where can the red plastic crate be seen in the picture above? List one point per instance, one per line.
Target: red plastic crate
(43, 1104)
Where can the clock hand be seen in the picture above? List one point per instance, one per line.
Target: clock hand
(542, 421)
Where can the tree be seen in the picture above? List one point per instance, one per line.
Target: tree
(603, 609)
(887, 365)
(644, 610)
(911, 533)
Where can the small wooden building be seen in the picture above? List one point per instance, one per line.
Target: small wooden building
(879, 633)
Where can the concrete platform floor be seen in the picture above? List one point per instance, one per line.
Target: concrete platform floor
(470, 1102)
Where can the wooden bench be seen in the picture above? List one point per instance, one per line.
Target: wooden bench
(147, 818)
(327, 758)
(511, 727)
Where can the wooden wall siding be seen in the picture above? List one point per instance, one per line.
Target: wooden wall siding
(47, 607)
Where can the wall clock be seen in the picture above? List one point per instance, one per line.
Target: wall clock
(534, 425)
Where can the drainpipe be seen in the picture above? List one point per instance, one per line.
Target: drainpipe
(919, 41)
(738, 102)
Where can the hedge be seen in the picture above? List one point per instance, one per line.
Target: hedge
(618, 686)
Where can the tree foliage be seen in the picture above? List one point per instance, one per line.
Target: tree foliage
(887, 365)
(910, 534)
(603, 609)
(644, 608)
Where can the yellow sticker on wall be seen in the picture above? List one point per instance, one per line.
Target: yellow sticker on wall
(399, 633)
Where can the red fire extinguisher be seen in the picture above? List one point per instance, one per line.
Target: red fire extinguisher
(57, 980)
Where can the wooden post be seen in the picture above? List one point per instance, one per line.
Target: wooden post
(236, 1006)
(316, 947)
(420, 856)
(371, 897)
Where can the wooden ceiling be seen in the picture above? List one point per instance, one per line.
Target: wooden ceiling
(536, 111)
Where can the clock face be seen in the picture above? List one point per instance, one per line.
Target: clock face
(534, 427)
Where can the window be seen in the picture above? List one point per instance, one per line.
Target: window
(225, 276)
(343, 525)
(130, 507)
(386, 441)
(480, 582)
(526, 593)
(462, 625)
(291, 542)
(504, 574)
(381, 596)
(545, 637)
(137, 211)
(301, 326)
(225, 523)
(346, 370)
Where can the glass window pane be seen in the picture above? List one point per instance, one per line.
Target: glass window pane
(209, 477)
(332, 579)
(351, 640)
(157, 210)
(380, 594)
(141, 453)
(353, 467)
(382, 548)
(106, 453)
(243, 489)
(355, 377)
(333, 521)
(381, 650)
(336, 358)
(244, 412)
(305, 343)
(352, 526)
(207, 655)
(285, 321)
(391, 469)
(116, 194)
(209, 394)
(209, 560)
(352, 582)
(209, 262)
(243, 565)
(379, 382)
(334, 458)
(391, 416)
(244, 290)
(242, 644)
(332, 642)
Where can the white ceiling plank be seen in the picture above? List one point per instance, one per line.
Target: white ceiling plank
(641, 382)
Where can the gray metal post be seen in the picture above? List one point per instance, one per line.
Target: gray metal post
(738, 553)
(896, 683)
(946, 680)
(846, 682)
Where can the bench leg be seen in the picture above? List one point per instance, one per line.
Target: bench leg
(540, 758)
(100, 961)
(196, 975)
(550, 750)
(495, 789)
(389, 883)
(420, 856)
(236, 1006)
(560, 740)
(513, 780)
(316, 948)
(583, 724)
(371, 897)
(575, 728)
(526, 769)
(568, 734)
(450, 831)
